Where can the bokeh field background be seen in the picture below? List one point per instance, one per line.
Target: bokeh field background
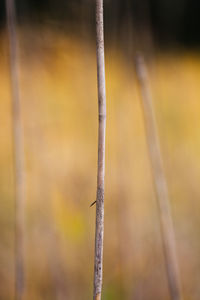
(59, 101)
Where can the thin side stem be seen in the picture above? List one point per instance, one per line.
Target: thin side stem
(18, 153)
(98, 263)
(167, 229)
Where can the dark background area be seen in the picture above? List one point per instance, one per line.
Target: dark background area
(171, 22)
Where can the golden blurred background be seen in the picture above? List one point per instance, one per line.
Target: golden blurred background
(59, 102)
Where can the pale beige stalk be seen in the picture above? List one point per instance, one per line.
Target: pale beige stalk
(98, 263)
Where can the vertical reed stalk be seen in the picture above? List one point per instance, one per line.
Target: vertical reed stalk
(160, 183)
(98, 263)
(18, 153)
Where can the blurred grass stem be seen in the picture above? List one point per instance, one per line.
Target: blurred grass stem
(18, 153)
(160, 182)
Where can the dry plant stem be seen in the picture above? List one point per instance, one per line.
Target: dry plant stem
(98, 263)
(18, 153)
(160, 183)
